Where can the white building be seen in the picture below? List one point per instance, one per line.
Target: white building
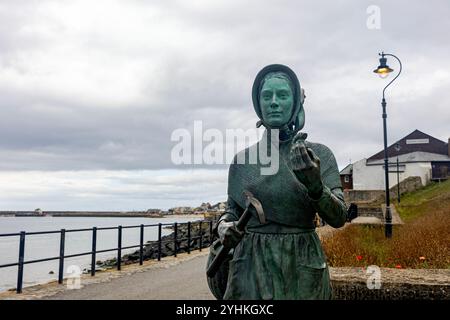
(419, 155)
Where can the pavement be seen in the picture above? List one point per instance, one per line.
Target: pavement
(183, 277)
(185, 281)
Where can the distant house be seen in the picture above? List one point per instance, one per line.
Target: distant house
(419, 155)
(205, 206)
(181, 210)
(220, 207)
(347, 177)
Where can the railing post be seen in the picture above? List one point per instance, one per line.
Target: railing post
(159, 241)
(201, 235)
(141, 246)
(119, 248)
(189, 238)
(61, 256)
(94, 250)
(175, 236)
(21, 260)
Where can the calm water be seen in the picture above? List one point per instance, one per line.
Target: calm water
(45, 246)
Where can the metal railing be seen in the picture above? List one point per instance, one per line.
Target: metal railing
(176, 241)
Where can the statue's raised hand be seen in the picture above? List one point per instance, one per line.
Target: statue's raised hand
(306, 166)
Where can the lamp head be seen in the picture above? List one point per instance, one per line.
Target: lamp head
(383, 69)
(397, 147)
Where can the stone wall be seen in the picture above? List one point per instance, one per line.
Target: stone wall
(396, 284)
(344, 290)
(362, 195)
(410, 184)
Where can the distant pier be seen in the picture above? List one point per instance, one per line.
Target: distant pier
(141, 214)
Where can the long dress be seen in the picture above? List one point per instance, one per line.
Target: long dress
(282, 259)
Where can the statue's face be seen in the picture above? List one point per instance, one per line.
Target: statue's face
(276, 101)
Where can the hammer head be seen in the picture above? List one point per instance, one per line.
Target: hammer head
(250, 200)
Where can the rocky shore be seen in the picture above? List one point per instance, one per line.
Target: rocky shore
(198, 237)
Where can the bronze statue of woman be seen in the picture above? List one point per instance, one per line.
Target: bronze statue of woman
(282, 258)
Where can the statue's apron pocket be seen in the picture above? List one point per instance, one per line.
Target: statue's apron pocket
(313, 282)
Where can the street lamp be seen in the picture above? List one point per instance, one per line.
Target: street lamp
(383, 71)
(397, 148)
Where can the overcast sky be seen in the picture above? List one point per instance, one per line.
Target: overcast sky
(90, 91)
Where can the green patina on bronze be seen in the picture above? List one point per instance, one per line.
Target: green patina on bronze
(283, 258)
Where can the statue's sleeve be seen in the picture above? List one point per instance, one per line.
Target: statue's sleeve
(232, 213)
(233, 210)
(331, 205)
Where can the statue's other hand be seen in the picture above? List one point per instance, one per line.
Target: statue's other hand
(228, 233)
(306, 166)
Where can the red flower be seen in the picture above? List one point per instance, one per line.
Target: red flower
(398, 266)
(359, 258)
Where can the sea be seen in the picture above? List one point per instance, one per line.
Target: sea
(46, 246)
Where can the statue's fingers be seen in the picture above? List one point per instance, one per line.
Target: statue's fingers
(306, 158)
(313, 156)
(298, 159)
(297, 143)
(299, 137)
(295, 160)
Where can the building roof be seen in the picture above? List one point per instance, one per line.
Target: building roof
(411, 157)
(416, 141)
(347, 170)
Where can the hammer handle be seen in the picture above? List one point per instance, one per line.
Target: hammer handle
(243, 220)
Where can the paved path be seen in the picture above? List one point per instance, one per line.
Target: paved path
(185, 280)
(181, 278)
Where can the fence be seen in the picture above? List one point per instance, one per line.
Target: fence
(176, 240)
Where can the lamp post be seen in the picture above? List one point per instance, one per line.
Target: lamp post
(397, 148)
(383, 71)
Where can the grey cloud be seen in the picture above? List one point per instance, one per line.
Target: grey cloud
(198, 62)
(110, 190)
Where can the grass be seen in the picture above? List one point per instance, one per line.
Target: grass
(422, 242)
(434, 196)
